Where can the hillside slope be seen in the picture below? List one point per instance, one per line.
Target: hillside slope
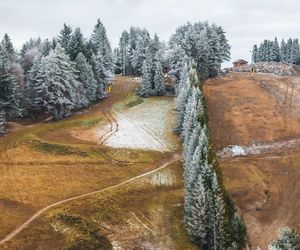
(256, 130)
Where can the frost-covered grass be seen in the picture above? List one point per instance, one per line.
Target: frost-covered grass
(146, 126)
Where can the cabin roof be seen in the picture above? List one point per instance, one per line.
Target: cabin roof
(242, 61)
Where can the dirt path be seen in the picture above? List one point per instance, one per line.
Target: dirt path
(256, 129)
(10, 236)
(111, 116)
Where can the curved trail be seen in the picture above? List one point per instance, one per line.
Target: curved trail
(10, 236)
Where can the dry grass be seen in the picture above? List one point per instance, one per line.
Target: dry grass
(39, 166)
(264, 188)
(126, 216)
(35, 173)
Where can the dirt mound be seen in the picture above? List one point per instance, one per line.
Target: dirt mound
(277, 68)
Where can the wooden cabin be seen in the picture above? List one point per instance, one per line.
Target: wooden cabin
(239, 63)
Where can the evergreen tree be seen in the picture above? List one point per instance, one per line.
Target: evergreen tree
(146, 85)
(9, 90)
(276, 56)
(283, 54)
(64, 37)
(102, 49)
(117, 61)
(159, 80)
(100, 72)
(288, 240)
(139, 54)
(255, 54)
(295, 51)
(59, 83)
(36, 89)
(76, 44)
(182, 97)
(190, 117)
(86, 78)
(198, 222)
(9, 47)
(205, 44)
(124, 53)
(289, 52)
(45, 47)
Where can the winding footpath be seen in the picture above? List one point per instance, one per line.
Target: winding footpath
(175, 157)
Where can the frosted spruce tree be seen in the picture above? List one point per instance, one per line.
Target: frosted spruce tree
(102, 50)
(288, 239)
(64, 37)
(159, 80)
(76, 44)
(125, 59)
(85, 76)
(35, 88)
(9, 89)
(146, 89)
(59, 84)
(7, 43)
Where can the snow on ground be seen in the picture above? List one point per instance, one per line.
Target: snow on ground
(156, 115)
(146, 126)
(258, 148)
(131, 135)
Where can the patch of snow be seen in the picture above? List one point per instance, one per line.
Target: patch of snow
(130, 135)
(116, 246)
(257, 148)
(237, 150)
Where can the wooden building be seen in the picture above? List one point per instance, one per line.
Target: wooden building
(239, 63)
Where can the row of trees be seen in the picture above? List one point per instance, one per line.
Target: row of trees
(209, 215)
(55, 77)
(271, 51)
(203, 44)
(196, 53)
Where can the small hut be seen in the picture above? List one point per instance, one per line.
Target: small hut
(239, 63)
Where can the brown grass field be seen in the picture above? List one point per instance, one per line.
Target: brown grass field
(264, 187)
(44, 163)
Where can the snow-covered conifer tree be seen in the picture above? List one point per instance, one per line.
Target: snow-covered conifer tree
(146, 86)
(86, 78)
(102, 49)
(288, 239)
(64, 37)
(76, 44)
(7, 43)
(58, 75)
(9, 89)
(159, 80)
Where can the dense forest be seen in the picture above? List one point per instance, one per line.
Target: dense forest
(54, 77)
(270, 51)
